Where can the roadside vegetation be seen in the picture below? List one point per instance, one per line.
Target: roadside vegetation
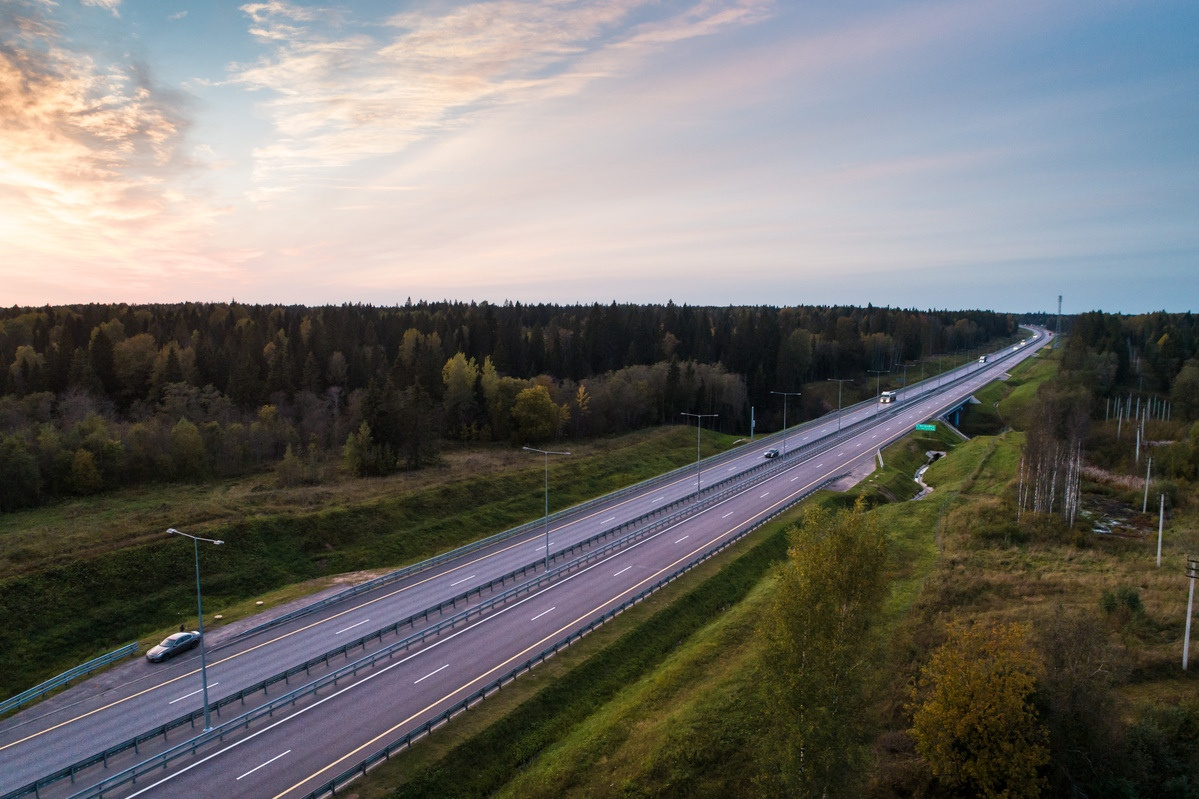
(843, 650)
(95, 398)
(81, 578)
(1083, 627)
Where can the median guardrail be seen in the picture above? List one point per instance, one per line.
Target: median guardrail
(331, 787)
(712, 495)
(38, 691)
(191, 746)
(715, 493)
(527, 527)
(657, 519)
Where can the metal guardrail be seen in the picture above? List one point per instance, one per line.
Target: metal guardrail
(717, 492)
(64, 678)
(527, 527)
(217, 733)
(331, 787)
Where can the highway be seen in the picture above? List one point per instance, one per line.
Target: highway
(299, 747)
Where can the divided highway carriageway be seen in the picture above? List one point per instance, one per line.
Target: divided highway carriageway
(306, 700)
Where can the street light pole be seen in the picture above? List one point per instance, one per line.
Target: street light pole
(838, 381)
(878, 385)
(200, 612)
(546, 453)
(699, 420)
(785, 395)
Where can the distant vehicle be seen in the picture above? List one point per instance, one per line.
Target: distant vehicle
(771, 453)
(886, 397)
(982, 359)
(172, 645)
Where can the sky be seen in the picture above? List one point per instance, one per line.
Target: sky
(950, 154)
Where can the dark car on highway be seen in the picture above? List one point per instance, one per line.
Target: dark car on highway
(772, 453)
(172, 645)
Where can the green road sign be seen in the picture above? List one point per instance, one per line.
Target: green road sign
(929, 427)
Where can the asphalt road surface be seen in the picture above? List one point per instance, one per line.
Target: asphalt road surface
(299, 748)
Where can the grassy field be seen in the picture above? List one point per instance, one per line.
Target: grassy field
(81, 578)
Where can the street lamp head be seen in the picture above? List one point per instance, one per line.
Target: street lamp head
(544, 451)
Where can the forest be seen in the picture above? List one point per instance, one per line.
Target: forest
(96, 397)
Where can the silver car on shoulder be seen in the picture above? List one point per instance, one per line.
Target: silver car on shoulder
(172, 645)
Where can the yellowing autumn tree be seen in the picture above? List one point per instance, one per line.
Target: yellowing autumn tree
(973, 720)
(818, 650)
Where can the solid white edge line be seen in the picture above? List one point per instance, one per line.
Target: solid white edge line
(348, 688)
(267, 763)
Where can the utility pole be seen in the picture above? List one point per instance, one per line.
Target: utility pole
(1148, 470)
(1192, 573)
(1161, 521)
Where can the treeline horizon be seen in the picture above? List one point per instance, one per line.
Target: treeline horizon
(97, 396)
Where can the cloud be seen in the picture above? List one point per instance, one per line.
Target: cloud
(110, 5)
(178, 14)
(342, 91)
(92, 154)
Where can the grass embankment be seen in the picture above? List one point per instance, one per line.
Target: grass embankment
(569, 714)
(664, 700)
(895, 481)
(1003, 403)
(87, 576)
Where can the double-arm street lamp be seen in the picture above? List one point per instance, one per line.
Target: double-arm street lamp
(699, 420)
(546, 453)
(200, 611)
(785, 394)
(838, 381)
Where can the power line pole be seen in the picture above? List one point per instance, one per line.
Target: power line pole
(1161, 521)
(1148, 470)
(1192, 572)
